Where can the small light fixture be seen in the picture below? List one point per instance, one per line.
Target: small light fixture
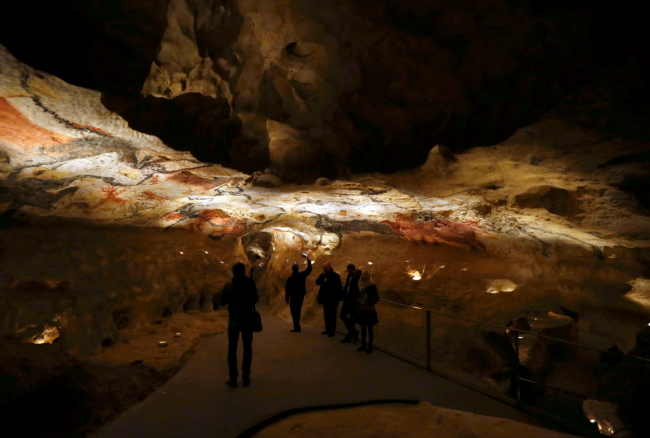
(370, 263)
(207, 252)
(415, 275)
(162, 343)
(593, 421)
(181, 253)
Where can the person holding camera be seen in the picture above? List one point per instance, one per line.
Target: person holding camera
(329, 295)
(240, 295)
(295, 291)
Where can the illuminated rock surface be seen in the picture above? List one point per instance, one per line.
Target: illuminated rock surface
(364, 85)
(104, 229)
(69, 159)
(423, 420)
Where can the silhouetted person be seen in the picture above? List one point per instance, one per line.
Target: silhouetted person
(329, 296)
(295, 291)
(240, 295)
(349, 307)
(519, 324)
(366, 312)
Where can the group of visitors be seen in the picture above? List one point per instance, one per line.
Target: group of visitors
(359, 296)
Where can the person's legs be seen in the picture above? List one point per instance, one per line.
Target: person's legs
(233, 340)
(353, 321)
(247, 340)
(346, 317)
(325, 315)
(371, 336)
(363, 338)
(296, 307)
(330, 318)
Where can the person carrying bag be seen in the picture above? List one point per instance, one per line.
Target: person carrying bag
(256, 321)
(240, 295)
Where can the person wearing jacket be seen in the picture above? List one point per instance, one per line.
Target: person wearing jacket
(240, 295)
(329, 295)
(349, 307)
(366, 312)
(295, 291)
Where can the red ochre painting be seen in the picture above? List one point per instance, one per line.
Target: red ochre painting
(190, 179)
(436, 231)
(213, 222)
(92, 128)
(18, 130)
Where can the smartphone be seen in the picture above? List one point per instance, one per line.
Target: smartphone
(304, 255)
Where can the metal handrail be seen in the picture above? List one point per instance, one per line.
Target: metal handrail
(517, 400)
(429, 311)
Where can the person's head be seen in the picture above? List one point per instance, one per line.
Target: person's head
(239, 270)
(327, 267)
(295, 267)
(365, 276)
(351, 268)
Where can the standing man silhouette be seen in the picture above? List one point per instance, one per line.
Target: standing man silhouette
(329, 295)
(349, 307)
(295, 291)
(240, 295)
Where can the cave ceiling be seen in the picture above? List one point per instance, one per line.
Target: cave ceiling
(310, 89)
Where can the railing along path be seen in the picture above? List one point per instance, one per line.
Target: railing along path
(581, 428)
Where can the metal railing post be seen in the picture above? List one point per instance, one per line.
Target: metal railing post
(518, 383)
(428, 340)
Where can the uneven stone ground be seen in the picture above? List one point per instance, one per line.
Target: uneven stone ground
(423, 420)
(94, 390)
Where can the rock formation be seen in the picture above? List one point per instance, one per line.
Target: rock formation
(204, 126)
(359, 85)
(422, 420)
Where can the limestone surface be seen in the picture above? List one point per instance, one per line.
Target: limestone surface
(423, 420)
(104, 228)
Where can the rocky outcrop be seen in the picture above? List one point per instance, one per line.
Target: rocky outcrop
(555, 200)
(422, 420)
(346, 85)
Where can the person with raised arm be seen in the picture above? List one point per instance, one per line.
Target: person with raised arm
(295, 291)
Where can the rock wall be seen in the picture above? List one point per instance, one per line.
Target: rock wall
(67, 156)
(83, 286)
(308, 89)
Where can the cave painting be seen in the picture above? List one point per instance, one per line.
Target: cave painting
(215, 222)
(437, 231)
(17, 130)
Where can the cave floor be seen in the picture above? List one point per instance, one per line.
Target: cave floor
(289, 370)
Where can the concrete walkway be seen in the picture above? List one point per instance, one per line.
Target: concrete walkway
(289, 370)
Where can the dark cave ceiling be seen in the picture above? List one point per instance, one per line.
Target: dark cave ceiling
(378, 85)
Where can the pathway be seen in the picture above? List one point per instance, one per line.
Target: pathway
(289, 370)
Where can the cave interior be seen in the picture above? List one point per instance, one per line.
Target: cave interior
(488, 160)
